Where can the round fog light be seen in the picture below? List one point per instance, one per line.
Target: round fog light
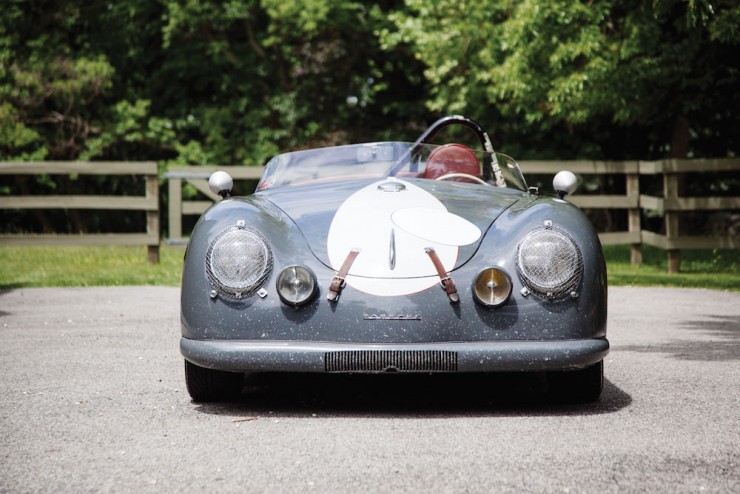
(296, 285)
(492, 287)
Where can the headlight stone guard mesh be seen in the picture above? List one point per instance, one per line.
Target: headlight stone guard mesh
(238, 262)
(549, 262)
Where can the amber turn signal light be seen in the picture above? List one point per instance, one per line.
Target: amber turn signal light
(492, 288)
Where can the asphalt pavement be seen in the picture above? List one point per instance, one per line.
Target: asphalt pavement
(94, 399)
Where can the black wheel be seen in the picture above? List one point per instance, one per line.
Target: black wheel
(580, 386)
(212, 385)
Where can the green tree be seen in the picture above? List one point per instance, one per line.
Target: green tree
(235, 81)
(68, 83)
(608, 79)
(264, 76)
(221, 82)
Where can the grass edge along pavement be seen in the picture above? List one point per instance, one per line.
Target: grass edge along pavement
(22, 267)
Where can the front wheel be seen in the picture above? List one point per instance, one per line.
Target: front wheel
(212, 385)
(580, 386)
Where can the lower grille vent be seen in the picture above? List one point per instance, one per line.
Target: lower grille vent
(391, 361)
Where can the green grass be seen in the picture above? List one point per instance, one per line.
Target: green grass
(715, 269)
(87, 266)
(115, 266)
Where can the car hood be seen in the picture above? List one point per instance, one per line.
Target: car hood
(392, 222)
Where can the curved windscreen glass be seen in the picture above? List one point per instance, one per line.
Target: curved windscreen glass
(452, 162)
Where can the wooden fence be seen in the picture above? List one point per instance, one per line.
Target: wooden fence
(629, 201)
(149, 203)
(197, 176)
(671, 205)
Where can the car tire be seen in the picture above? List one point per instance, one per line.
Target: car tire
(206, 385)
(580, 386)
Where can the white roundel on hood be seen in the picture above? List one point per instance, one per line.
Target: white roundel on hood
(439, 226)
(391, 223)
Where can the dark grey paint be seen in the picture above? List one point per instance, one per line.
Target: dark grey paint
(527, 333)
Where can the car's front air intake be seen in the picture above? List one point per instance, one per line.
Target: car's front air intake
(390, 361)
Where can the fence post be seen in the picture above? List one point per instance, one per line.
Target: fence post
(152, 216)
(633, 190)
(174, 191)
(670, 195)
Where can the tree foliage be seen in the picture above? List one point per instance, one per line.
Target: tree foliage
(226, 82)
(562, 78)
(232, 82)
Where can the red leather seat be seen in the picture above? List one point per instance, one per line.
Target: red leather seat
(452, 158)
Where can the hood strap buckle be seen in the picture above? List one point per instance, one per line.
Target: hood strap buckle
(448, 284)
(338, 282)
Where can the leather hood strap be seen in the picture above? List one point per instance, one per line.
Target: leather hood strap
(337, 283)
(448, 284)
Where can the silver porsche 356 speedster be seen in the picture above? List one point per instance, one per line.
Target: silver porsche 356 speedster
(394, 257)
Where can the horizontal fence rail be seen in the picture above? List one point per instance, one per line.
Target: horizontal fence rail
(669, 206)
(148, 203)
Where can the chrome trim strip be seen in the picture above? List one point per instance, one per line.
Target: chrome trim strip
(392, 253)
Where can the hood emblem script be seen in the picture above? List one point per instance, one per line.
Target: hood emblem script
(392, 317)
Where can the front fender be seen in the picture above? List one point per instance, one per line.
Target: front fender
(499, 247)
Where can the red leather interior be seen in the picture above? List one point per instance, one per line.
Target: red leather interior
(452, 158)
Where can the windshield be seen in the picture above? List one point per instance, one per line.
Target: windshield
(453, 162)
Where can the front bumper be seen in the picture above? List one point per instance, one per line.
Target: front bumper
(301, 356)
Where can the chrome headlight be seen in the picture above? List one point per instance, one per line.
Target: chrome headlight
(238, 262)
(296, 285)
(549, 262)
